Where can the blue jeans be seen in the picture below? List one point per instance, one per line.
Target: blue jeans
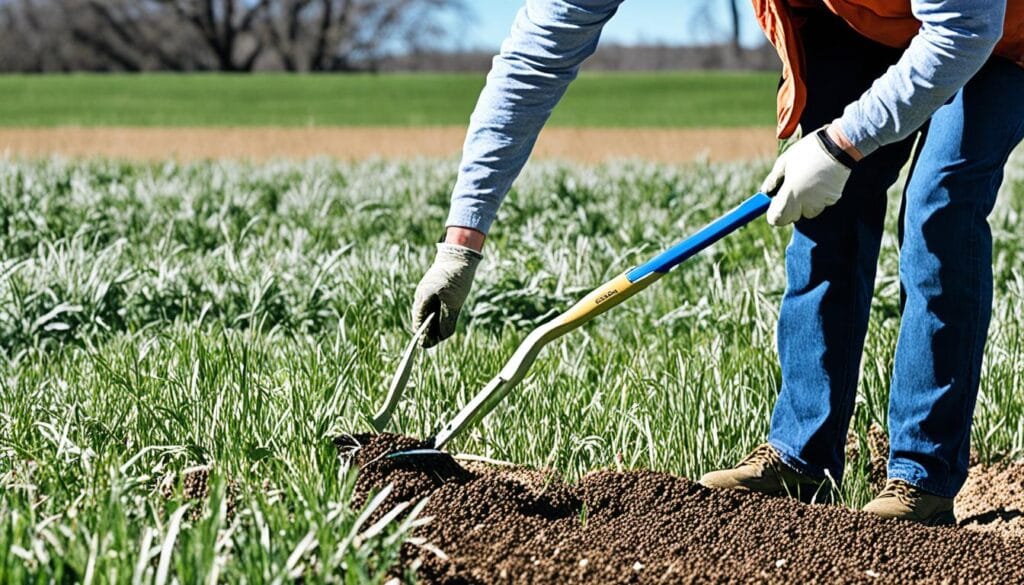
(945, 272)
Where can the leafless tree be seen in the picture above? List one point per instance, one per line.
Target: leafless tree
(226, 35)
(135, 35)
(342, 35)
(734, 25)
(227, 27)
(170, 34)
(21, 47)
(719, 22)
(726, 36)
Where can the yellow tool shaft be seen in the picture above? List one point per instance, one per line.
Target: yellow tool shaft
(599, 300)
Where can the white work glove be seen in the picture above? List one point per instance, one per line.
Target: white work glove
(808, 177)
(443, 290)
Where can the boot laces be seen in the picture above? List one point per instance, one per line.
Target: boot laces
(763, 456)
(900, 490)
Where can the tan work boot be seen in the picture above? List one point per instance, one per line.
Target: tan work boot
(763, 471)
(903, 501)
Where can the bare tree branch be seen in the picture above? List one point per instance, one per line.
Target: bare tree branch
(100, 45)
(229, 35)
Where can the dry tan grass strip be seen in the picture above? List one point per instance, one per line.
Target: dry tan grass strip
(356, 143)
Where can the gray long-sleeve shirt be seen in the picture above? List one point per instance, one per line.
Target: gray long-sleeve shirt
(550, 39)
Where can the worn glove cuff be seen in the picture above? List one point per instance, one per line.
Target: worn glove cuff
(463, 255)
(833, 149)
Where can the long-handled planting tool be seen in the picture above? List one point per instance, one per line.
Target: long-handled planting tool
(401, 378)
(597, 302)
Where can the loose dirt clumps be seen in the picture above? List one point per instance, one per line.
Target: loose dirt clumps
(411, 477)
(878, 450)
(195, 488)
(993, 499)
(500, 525)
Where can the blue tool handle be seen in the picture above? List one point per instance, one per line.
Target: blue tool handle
(711, 233)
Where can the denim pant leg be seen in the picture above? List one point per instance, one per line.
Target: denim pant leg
(946, 276)
(830, 270)
(831, 260)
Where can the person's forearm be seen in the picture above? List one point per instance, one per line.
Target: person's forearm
(468, 237)
(842, 141)
(955, 40)
(549, 41)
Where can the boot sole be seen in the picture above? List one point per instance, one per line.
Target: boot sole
(940, 519)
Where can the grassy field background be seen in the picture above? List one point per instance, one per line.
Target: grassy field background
(161, 323)
(158, 318)
(600, 99)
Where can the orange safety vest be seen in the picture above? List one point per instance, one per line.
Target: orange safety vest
(889, 22)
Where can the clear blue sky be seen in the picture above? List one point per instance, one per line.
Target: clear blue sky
(674, 22)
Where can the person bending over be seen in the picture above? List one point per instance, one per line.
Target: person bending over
(864, 81)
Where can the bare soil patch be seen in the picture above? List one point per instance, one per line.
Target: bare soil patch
(588, 145)
(993, 499)
(501, 525)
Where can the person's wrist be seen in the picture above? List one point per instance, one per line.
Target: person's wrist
(466, 237)
(835, 132)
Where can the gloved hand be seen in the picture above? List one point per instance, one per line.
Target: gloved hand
(442, 291)
(809, 177)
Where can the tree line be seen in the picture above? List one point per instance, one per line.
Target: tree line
(217, 35)
(305, 35)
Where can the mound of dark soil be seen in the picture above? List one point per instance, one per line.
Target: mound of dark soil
(500, 525)
(993, 499)
(412, 477)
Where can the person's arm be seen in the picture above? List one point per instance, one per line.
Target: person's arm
(955, 40)
(549, 41)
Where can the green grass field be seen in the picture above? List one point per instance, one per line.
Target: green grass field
(610, 100)
(156, 318)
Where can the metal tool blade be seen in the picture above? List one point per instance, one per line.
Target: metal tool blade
(416, 453)
(401, 378)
